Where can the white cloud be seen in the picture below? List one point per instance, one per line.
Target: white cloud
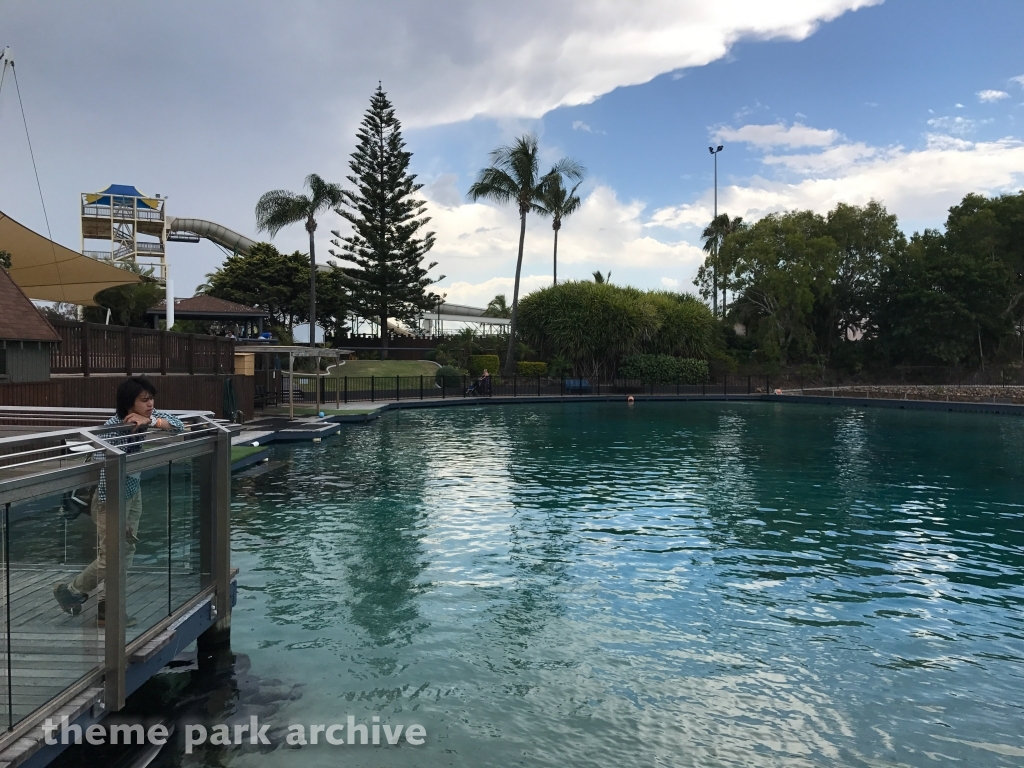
(671, 283)
(476, 241)
(988, 96)
(1019, 80)
(778, 135)
(579, 125)
(958, 105)
(958, 126)
(913, 184)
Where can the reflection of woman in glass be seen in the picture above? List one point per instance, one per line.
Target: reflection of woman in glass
(135, 400)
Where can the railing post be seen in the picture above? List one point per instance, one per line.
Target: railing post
(444, 382)
(513, 385)
(191, 354)
(86, 368)
(561, 386)
(748, 385)
(767, 385)
(371, 389)
(538, 385)
(337, 393)
(222, 522)
(421, 386)
(346, 389)
(725, 384)
(163, 353)
(398, 388)
(128, 350)
(463, 386)
(114, 579)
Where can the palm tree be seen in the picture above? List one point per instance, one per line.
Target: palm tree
(558, 203)
(714, 235)
(511, 177)
(498, 307)
(279, 208)
(599, 278)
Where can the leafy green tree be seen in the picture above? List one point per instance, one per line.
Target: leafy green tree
(936, 305)
(557, 202)
(784, 265)
(865, 236)
(513, 177)
(5, 261)
(279, 208)
(387, 245)
(265, 278)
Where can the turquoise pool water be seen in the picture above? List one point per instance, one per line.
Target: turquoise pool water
(689, 584)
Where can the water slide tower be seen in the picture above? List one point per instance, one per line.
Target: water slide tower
(133, 224)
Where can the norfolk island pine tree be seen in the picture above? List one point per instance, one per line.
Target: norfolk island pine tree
(385, 249)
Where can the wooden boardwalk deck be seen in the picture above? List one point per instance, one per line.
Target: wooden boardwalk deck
(49, 649)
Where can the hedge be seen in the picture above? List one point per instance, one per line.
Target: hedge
(664, 369)
(477, 363)
(527, 368)
(451, 376)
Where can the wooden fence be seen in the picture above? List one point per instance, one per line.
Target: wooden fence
(88, 348)
(199, 392)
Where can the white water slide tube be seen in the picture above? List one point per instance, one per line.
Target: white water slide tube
(215, 233)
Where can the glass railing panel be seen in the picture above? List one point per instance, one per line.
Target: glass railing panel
(191, 480)
(53, 569)
(147, 555)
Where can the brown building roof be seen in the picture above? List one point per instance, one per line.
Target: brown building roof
(19, 318)
(206, 306)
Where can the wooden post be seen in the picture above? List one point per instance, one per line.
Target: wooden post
(128, 350)
(86, 368)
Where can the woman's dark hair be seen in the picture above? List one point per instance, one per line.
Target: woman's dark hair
(129, 392)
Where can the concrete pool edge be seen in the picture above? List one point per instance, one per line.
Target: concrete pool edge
(926, 405)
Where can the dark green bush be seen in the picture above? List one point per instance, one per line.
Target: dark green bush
(527, 368)
(477, 363)
(664, 369)
(450, 375)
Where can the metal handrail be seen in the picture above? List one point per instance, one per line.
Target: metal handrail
(82, 445)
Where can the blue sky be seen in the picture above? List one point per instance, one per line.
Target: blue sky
(906, 101)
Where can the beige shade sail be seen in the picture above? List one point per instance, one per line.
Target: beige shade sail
(48, 271)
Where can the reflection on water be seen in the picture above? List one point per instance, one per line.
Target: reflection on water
(667, 584)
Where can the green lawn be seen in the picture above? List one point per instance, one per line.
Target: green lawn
(241, 451)
(385, 368)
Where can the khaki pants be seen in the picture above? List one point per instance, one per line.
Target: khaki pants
(93, 574)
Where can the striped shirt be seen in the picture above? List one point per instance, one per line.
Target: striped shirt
(129, 442)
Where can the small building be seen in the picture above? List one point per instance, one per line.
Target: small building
(245, 322)
(26, 337)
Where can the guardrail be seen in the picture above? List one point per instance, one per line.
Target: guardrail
(145, 513)
(89, 348)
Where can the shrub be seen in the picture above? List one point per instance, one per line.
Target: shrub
(450, 375)
(526, 368)
(477, 363)
(664, 369)
(594, 325)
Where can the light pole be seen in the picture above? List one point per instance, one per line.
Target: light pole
(714, 264)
